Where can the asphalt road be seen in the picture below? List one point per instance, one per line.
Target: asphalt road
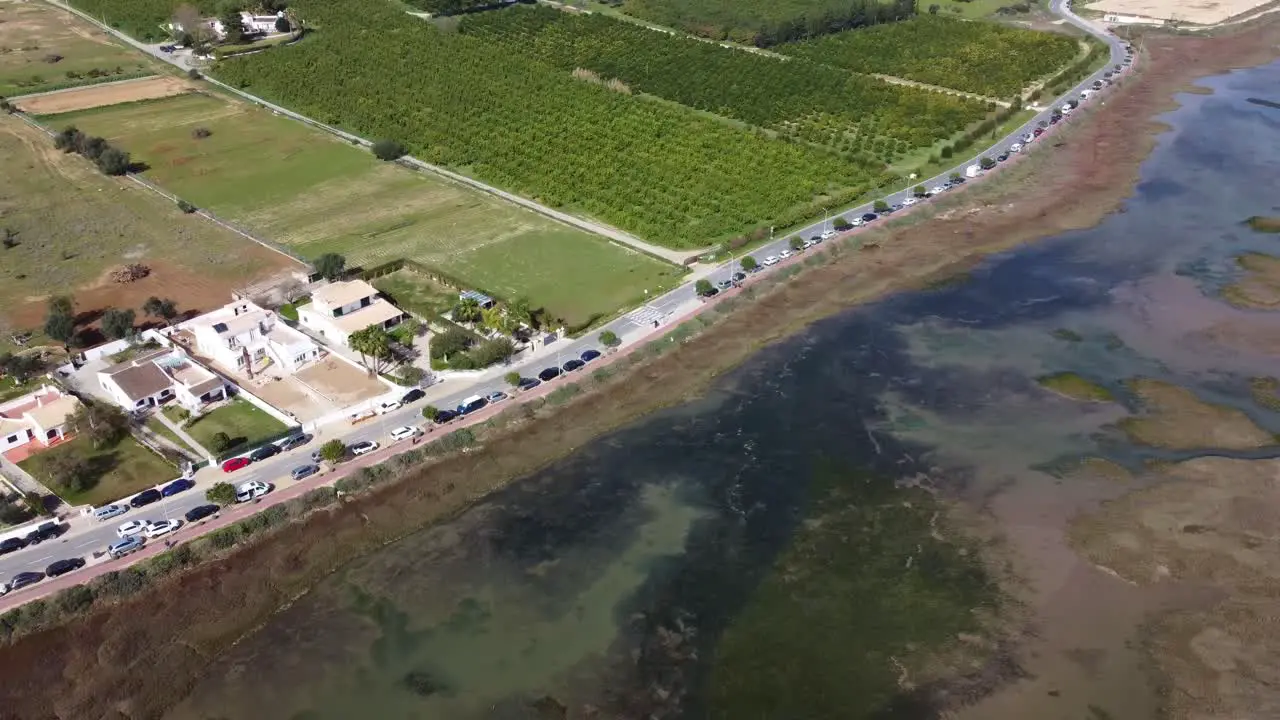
(86, 538)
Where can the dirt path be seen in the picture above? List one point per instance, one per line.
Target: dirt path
(88, 669)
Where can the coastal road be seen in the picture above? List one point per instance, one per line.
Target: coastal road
(85, 537)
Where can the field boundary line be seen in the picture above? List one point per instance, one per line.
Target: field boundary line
(170, 196)
(82, 86)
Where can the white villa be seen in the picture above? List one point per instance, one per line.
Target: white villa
(158, 376)
(39, 417)
(246, 338)
(341, 308)
(252, 23)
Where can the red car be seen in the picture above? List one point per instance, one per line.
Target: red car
(235, 463)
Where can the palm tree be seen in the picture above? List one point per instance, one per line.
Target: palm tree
(467, 310)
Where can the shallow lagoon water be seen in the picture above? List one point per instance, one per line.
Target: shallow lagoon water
(611, 579)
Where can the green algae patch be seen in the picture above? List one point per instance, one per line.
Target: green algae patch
(1068, 335)
(1266, 392)
(1259, 288)
(874, 604)
(1175, 418)
(1076, 387)
(1264, 224)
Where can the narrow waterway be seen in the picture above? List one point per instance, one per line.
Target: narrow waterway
(771, 552)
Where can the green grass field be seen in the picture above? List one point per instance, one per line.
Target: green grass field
(118, 472)
(32, 34)
(246, 425)
(296, 186)
(72, 224)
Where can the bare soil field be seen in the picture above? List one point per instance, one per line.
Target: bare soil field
(1201, 12)
(88, 667)
(148, 88)
(73, 225)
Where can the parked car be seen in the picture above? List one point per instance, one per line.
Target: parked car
(160, 528)
(363, 447)
(23, 579)
(43, 532)
(528, 383)
(201, 512)
(387, 407)
(737, 277)
(294, 441)
(401, 433)
(1055, 118)
(124, 547)
(445, 416)
(573, 365)
(868, 217)
(12, 545)
(496, 396)
(1016, 147)
(939, 189)
(264, 452)
(471, 404)
(827, 234)
(62, 567)
(909, 201)
(589, 355)
(106, 512)
(1038, 132)
(771, 260)
(235, 464)
(303, 471)
(412, 396)
(146, 497)
(726, 283)
(251, 490)
(177, 486)
(1002, 157)
(131, 528)
(549, 374)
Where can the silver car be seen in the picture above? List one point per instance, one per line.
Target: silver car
(124, 547)
(106, 512)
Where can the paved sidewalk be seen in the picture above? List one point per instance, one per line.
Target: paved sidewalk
(184, 436)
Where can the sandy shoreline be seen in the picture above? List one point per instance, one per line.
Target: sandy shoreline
(83, 669)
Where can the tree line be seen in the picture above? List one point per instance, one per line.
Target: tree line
(765, 23)
(657, 170)
(110, 160)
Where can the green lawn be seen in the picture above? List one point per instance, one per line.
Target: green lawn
(163, 431)
(44, 48)
(245, 424)
(970, 10)
(10, 388)
(305, 189)
(416, 292)
(118, 472)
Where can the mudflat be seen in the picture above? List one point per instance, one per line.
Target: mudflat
(86, 668)
(1175, 418)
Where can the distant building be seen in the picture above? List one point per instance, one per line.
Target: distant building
(252, 23)
(339, 309)
(39, 418)
(246, 338)
(161, 376)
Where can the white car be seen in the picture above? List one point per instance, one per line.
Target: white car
(363, 448)
(387, 407)
(784, 254)
(771, 260)
(131, 528)
(162, 527)
(808, 244)
(828, 234)
(938, 189)
(251, 490)
(908, 201)
(1016, 147)
(858, 222)
(403, 433)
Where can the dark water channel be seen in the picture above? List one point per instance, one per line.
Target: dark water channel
(687, 566)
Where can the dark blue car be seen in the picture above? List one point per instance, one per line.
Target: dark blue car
(589, 355)
(176, 487)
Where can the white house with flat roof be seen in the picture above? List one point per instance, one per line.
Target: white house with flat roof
(246, 338)
(339, 309)
(159, 376)
(40, 417)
